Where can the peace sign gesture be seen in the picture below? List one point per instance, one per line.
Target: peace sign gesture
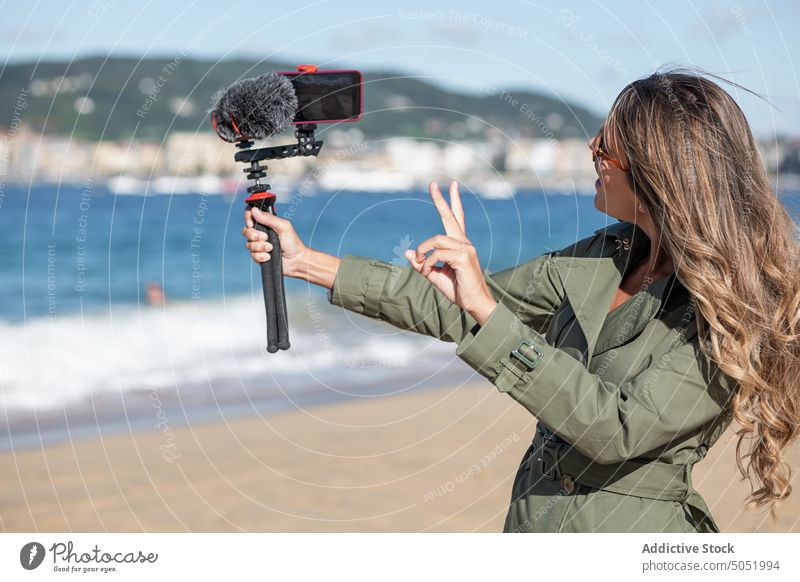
(461, 278)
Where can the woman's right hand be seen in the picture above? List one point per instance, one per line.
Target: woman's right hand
(292, 248)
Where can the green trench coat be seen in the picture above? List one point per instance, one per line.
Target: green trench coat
(625, 401)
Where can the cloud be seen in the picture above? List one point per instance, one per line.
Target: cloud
(368, 35)
(454, 32)
(725, 22)
(31, 35)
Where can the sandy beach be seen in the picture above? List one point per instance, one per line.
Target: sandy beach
(433, 460)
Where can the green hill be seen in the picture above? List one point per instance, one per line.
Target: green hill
(121, 98)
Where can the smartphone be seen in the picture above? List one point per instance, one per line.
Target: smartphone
(327, 96)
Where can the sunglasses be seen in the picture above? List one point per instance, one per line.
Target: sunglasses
(599, 152)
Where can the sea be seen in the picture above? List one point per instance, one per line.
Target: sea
(86, 352)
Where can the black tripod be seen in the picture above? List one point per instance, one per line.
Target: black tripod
(261, 198)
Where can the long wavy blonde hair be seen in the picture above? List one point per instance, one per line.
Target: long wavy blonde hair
(696, 168)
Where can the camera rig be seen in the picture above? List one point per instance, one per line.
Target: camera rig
(264, 106)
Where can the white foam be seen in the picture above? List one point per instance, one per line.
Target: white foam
(48, 363)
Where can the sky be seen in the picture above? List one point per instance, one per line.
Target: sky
(581, 51)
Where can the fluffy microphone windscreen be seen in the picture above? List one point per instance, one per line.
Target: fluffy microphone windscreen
(259, 107)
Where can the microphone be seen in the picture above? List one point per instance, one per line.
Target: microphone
(254, 108)
(257, 108)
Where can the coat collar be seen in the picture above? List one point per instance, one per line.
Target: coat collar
(591, 282)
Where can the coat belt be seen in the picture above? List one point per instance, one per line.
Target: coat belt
(648, 479)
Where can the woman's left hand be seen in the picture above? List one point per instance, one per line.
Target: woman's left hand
(461, 279)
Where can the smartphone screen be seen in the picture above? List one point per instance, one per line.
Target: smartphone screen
(327, 96)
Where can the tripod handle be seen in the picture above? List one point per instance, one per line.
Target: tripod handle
(272, 278)
(281, 315)
(268, 289)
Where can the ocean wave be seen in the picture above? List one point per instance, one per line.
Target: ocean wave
(214, 347)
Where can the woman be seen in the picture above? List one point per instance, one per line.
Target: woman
(634, 347)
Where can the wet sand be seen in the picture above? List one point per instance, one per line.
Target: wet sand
(433, 460)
